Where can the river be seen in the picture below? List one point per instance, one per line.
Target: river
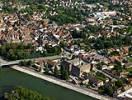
(11, 78)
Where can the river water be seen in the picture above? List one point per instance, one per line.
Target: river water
(10, 78)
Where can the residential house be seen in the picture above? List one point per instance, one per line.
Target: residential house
(94, 81)
(78, 71)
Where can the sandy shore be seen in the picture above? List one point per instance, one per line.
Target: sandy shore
(63, 84)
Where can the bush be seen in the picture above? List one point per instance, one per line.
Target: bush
(21, 93)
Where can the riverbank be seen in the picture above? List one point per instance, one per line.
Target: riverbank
(10, 78)
(63, 84)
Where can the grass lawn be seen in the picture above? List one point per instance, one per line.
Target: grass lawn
(130, 59)
(129, 69)
(100, 76)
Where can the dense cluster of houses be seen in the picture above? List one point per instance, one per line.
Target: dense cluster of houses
(83, 66)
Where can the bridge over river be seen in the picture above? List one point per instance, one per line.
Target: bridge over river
(8, 63)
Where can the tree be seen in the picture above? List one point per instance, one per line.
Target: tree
(20, 93)
(46, 69)
(101, 90)
(119, 83)
(64, 73)
(29, 62)
(15, 51)
(11, 55)
(107, 89)
(26, 63)
(118, 67)
(130, 50)
(56, 71)
(130, 74)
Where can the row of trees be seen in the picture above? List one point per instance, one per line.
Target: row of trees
(107, 89)
(56, 50)
(26, 63)
(102, 42)
(92, 1)
(105, 42)
(67, 15)
(34, 8)
(118, 67)
(20, 93)
(62, 73)
(9, 9)
(114, 41)
(14, 51)
(49, 51)
(6, 2)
